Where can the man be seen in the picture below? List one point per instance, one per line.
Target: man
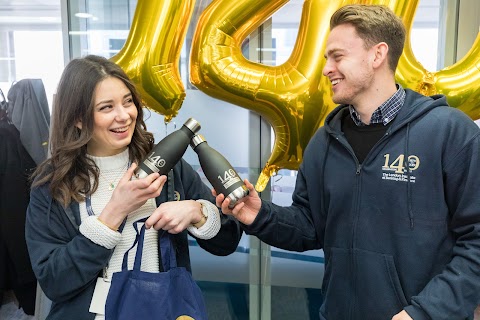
(388, 188)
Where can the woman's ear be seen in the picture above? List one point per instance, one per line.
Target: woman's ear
(79, 125)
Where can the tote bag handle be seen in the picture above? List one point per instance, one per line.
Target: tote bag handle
(168, 257)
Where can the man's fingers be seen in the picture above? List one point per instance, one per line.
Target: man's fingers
(219, 199)
(250, 186)
(214, 193)
(237, 208)
(225, 204)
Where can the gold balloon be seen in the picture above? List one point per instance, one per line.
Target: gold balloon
(294, 97)
(460, 82)
(151, 53)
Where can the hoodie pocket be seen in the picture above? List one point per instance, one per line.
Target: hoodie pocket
(379, 292)
(361, 285)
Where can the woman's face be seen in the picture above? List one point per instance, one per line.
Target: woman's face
(114, 116)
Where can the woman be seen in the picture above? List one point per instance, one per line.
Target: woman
(85, 199)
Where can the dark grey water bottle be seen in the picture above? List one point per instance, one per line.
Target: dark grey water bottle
(219, 171)
(168, 151)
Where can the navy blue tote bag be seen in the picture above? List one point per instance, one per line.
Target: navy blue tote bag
(169, 295)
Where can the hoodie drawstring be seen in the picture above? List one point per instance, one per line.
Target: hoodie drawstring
(322, 182)
(409, 188)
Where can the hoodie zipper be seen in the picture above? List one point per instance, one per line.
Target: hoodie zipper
(358, 171)
(341, 139)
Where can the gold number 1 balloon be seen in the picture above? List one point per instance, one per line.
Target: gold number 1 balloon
(151, 53)
(294, 97)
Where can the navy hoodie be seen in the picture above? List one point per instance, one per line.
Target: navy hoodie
(401, 231)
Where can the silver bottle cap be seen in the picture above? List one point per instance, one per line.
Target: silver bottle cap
(193, 125)
(237, 194)
(196, 140)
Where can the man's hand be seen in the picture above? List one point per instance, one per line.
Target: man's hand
(245, 210)
(402, 316)
(477, 313)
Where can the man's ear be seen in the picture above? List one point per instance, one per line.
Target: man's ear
(380, 54)
(79, 125)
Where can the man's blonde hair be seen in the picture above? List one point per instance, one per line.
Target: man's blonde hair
(374, 24)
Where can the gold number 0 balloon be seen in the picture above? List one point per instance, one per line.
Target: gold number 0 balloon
(151, 53)
(460, 83)
(293, 97)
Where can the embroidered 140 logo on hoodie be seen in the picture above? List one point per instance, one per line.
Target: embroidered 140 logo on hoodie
(396, 169)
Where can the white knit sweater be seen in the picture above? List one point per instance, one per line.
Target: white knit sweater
(112, 169)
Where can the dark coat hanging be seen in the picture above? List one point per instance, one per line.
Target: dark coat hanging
(24, 130)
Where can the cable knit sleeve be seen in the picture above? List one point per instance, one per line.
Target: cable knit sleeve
(99, 233)
(211, 226)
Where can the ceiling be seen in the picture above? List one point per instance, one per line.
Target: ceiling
(30, 5)
(29, 13)
(46, 14)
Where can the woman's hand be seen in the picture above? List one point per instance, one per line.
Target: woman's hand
(175, 216)
(130, 194)
(246, 209)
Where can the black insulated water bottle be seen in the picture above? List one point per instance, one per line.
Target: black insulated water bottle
(166, 153)
(219, 171)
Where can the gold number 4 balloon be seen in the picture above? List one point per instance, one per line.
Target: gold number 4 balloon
(293, 97)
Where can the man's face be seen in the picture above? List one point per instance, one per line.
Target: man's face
(349, 66)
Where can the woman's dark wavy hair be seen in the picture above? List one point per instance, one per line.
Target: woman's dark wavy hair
(68, 170)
